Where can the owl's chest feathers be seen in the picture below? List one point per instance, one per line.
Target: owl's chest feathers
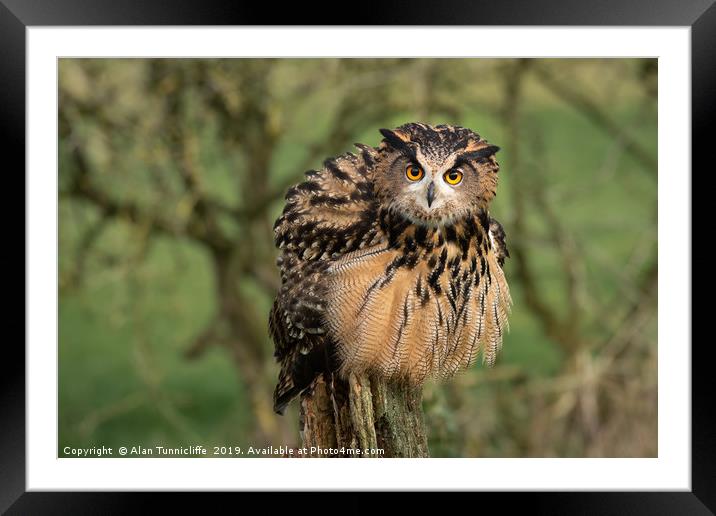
(422, 302)
(446, 263)
(440, 257)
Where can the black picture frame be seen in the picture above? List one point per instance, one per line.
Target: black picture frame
(17, 15)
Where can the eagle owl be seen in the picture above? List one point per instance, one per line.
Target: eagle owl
(390, 262)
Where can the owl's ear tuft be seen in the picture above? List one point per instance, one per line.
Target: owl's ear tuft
(489, 150)
(394, 138)
(481, 148)
(479, 154)
(483, 152)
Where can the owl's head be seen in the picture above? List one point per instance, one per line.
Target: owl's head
(435, 175)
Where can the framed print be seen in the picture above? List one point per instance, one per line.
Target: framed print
(455, 240)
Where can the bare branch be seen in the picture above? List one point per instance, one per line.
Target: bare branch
(82, 187)
(84, 247)
(513, 76)
(589, 108)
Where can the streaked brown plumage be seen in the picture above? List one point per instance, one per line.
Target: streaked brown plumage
(390, 263)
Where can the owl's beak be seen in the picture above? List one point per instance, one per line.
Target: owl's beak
(431, 193)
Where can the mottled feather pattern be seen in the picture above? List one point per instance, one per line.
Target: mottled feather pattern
(366, 290)
(426, 305)
(326, 216)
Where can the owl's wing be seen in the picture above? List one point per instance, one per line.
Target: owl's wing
(330, 214)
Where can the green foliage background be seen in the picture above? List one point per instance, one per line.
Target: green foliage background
(173, 171)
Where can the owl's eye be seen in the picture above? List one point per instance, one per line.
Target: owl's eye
(453, 177)
(414, 172)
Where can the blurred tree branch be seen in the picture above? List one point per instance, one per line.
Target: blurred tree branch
(578, 396)
(598, 115)
(514, 74)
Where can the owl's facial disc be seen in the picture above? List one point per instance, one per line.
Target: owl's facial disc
(434, 176)
(432, 197)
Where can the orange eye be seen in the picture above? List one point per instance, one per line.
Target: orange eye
(453, 177)
(414, 173)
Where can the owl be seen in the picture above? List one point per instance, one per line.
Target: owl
(390, 262)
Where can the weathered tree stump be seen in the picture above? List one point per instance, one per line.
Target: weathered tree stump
(363, 413)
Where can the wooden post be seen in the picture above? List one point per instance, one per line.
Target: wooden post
(363, 413)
